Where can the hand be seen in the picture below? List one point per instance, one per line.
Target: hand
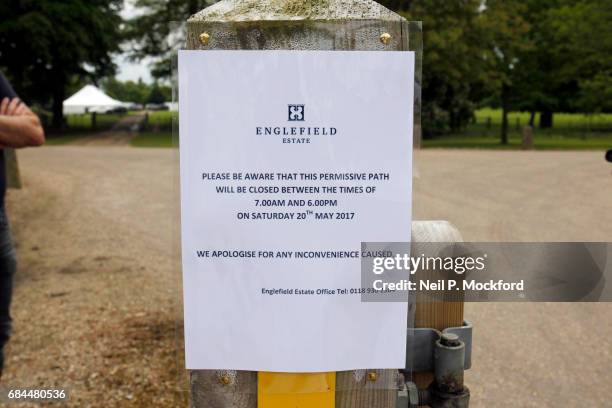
(12, 107)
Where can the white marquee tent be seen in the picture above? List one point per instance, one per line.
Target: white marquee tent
(90, 99)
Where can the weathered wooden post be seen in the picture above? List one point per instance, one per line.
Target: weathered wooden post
(527, 143)
(436, 314)
(13, 178)
(305, 25)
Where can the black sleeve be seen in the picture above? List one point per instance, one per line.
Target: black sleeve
(6, 90)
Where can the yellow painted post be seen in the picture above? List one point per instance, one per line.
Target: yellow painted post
(13, 178)
(286, 390)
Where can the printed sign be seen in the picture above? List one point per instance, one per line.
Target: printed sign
(289, 160)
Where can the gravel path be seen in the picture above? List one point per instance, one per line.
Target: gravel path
(95, 305)
(97, 292)
(119, 135)
(530, 354)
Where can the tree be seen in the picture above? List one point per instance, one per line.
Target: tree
(158, 32)
(137, 92)
(453, 75)
(596, 93)
(507, 41)
(156, 95)
(128, 91)
(539, 85)
(584, 34)
(568, 67)
(46, 45)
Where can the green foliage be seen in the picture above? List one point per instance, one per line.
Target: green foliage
(572, 131)
(153, 139)
(160, 121)
(83, 123)
(583, 32)
(453, 74)
(596, 93)
(536, 83)
(534, 55)
(156, 95)
(159, 30)
(128, 91)
(531, 55)
(567, 65)
(506, 42)
(137, 92)
(467, 140)
(45, 45)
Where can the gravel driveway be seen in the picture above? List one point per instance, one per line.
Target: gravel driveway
(95, 305)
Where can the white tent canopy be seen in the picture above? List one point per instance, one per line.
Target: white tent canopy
(90, 99)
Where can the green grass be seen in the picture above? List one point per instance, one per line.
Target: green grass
(514, 143)
(61, 140)
(84, 121)
(161, 116)
(569, 132)
(561, 120)
(153, 139)
(159, 121)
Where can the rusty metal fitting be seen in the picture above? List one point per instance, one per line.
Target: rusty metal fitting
(449, 357)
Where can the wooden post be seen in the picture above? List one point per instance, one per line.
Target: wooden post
(11, 166)
(297, 25)
(527, 143)
(436, 314)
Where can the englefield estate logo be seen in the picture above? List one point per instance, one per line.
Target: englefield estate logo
(296, 113)
(298, 133)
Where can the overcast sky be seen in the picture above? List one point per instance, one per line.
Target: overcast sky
(127, 70)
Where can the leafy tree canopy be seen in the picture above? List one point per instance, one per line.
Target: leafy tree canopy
(533, 55)
(453, 71)
(45, 45)
(158, 31)
(128, 91)
(156, 95)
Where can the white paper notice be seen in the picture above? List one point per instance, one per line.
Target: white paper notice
(289, 160)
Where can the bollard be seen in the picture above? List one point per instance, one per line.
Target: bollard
(297, 25)
(11, 167)
(527, 143)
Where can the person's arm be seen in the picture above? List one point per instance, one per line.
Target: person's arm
(19, 126)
